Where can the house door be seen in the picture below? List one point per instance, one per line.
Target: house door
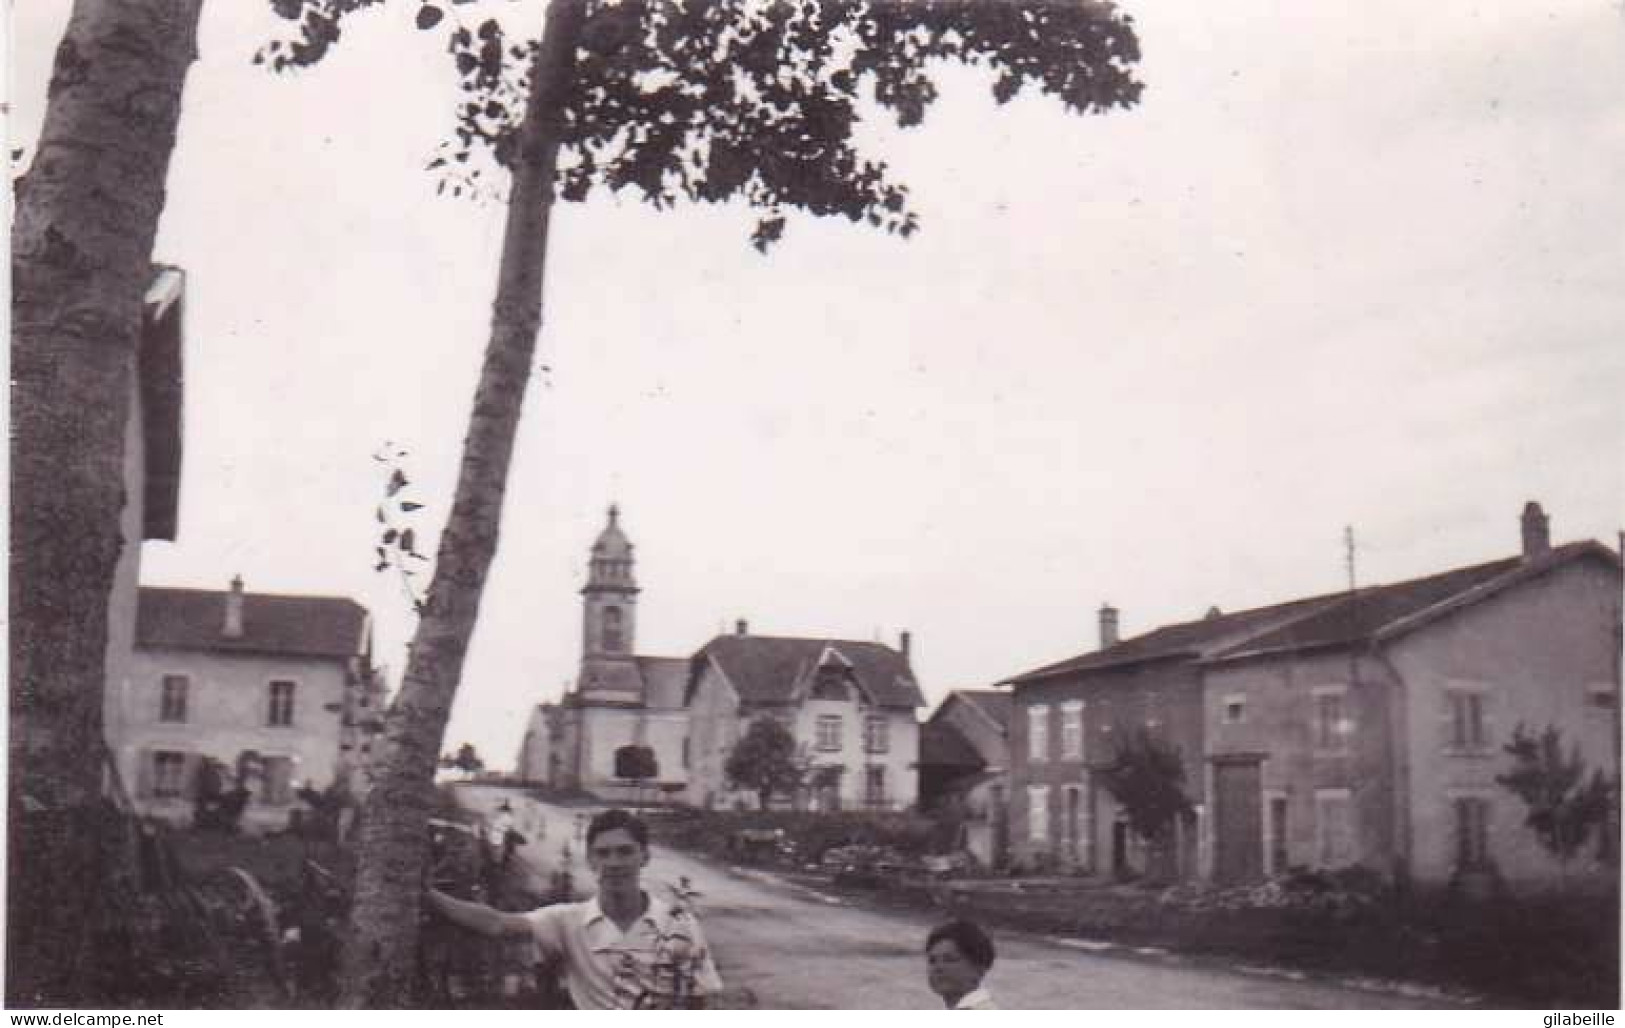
(1237, 821)
(1120, 868)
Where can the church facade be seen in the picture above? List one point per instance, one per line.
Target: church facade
(620, 698)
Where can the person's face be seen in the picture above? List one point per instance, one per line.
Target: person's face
(951, 975)
(616, 858)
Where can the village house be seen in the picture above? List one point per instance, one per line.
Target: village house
(964, 770)
(280, 690)
(1365, 727)
(620, 699)
(849, 706)
(1371, 732)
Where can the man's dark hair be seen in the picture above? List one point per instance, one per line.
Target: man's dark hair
(968, 938)
(615, 818)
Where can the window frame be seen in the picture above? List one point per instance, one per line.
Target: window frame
(1073, 746)
(1038, 733)
(876, 734)
(168, 775)
(823, 741)
(173, 704)
(1331, 735)
(281, 714)
(1038, 827)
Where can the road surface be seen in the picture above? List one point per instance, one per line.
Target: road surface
(795, 948)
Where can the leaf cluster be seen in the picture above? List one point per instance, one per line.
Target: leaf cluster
(397, 539)
(764, 759)
(753, 99)
(1147, 778)
(1564, 805)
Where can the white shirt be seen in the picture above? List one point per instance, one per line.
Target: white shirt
(658, 962)
(976, 999)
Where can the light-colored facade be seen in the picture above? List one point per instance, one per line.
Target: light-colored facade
(278, 689)
(849, 705)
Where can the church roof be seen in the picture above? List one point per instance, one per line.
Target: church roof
(664, 679)
(771, 669)
(612, 543)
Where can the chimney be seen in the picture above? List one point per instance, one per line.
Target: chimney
(1537, 533)
(1108, 626)
(741, 627)
(233, 628)
(904, 640)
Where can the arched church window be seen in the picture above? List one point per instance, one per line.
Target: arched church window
(612, 628)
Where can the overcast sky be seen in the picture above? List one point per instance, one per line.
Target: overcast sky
(1360, 267)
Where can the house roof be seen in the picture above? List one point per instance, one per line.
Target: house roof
(770, 669)
(993, 704)
(1339, 619)
(1383, 612)
(294, 626)
(1185, 640)
(943, 745)
(161, 387)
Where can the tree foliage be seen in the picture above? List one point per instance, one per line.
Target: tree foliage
(764, 760)
(751, 99)
(1147, 778)
(468, 760)
(1564, 806)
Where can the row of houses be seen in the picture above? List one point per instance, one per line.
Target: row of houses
(210, 688)
(1363, 728)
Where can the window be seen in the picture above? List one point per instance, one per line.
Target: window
(1332, 726)
(281, 707)
(1466, 719)
(168, 774)
(876, 734)
(1072, 730)
(1276, 827)
(829, 732)
(1038, 812)
(278, 781)
(1079, 829)
(1334, 827)
(1235, 709)
(172, 699)
(612, 629)
(1038, 733)
(685, 752)
(1472, 816)
(874, 786)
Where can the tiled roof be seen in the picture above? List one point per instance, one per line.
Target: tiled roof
(942, 744)
(767, 669)
(1383, 611)
(993, 703)
(1186, 640)
(294, 626)
(1322, 621)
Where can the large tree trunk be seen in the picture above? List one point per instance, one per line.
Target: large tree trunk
(87, 213)
(380, 946)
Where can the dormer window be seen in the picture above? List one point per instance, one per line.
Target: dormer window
(830, 684)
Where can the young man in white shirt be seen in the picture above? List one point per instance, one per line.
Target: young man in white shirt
(620, 950)
(957, 956)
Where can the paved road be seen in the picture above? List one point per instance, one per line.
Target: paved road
(794, 948)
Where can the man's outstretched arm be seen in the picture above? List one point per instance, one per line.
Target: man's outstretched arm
(477, 917)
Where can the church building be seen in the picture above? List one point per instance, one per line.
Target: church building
(620, 699)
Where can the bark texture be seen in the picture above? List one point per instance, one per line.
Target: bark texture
(87, 214)
(380, 947)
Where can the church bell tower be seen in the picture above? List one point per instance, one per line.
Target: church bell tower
(610, 597)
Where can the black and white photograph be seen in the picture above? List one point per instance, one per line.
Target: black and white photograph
(908, 505)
